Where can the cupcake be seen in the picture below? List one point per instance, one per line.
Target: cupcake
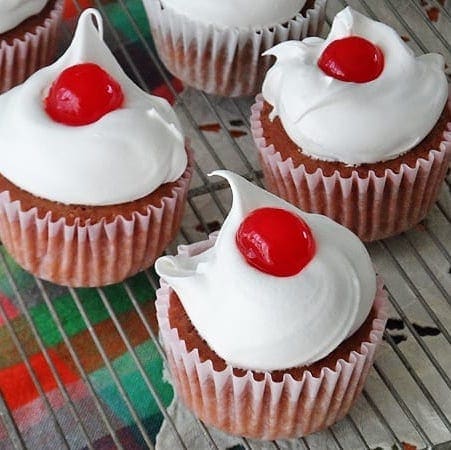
(352, 127)
(217, 46)
(28, 37)
(270, 327)
(94, 171)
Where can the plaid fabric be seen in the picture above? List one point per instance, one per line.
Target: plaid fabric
(42, 421)
(20, 393)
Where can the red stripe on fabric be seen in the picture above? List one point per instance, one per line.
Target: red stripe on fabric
(163, 90)
(70, 10)
(9, 309)
(36, 412)
(16, 384)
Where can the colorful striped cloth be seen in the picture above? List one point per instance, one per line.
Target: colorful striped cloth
(42, 421)
(21, 395)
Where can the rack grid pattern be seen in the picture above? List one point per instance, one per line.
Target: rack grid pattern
(407, 398)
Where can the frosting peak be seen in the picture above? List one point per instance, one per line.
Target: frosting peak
(123, 156)
(14, 12)
(356, 123)
(264, 322)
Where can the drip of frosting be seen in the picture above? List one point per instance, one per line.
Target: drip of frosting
(123, 156)
(237, 13)
(258, 321)
(14, 12)
(356, 123)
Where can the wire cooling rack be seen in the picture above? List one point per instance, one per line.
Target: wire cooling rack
(407, 399)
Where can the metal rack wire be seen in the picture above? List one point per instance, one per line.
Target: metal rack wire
(407, 398)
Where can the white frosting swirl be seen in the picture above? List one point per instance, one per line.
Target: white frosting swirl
(14, 12)
(262, 322)
(125, 155)
(351, 122)
(237, 13)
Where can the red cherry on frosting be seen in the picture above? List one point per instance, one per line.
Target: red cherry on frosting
(352, 59)
(275, 241)
(82, 94)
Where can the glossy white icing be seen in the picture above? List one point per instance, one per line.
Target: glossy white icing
(237, 13)
(125, 155)
(356, 123)
(262, 322)
(14, 12)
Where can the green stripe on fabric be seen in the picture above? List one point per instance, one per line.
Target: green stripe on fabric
(122, 23)
(71, 318)
(21, 277)
(152, 425)
(134, 384)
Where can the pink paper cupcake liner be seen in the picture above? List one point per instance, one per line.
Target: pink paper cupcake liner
(22, 57)
(266, 409)
(92, 254)
(374, 207)
(223, 61)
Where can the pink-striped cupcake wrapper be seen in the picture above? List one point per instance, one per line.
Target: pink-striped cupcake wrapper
(374, 207)
(22, 57)
(266, 409)
(92, 254)
(223, 61)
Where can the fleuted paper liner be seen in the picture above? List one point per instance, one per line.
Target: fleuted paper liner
(223, 61)
(265, 409)
(93, 254)
(22, 57)
(374, 207)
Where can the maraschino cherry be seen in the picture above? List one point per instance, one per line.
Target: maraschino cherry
(82, 94)
(352, 59)
(275, 241)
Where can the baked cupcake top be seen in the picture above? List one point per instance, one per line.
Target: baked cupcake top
(14, 12)
(237, 13)
(360, 96)
(280, 288)
(63, 144)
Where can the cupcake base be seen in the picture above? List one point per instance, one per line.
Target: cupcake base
(85, 246)
(375, 201)
(224, 61)
(29, 46)
(268, 405)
